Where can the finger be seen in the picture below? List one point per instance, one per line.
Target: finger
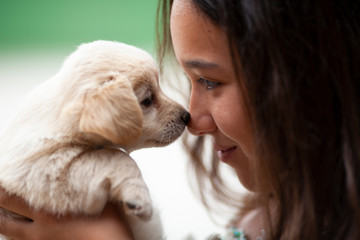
(14, 229)
(15, 204)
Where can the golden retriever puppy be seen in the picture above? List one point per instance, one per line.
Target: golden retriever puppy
(67, 149)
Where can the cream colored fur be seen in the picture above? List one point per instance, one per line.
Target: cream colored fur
(67, 148)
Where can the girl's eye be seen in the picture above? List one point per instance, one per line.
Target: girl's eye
(208, 84)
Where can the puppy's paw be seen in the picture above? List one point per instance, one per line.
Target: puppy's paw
(133, 196)
(136, 201)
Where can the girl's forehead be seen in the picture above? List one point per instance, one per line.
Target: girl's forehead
(181, 5)
(196, 39)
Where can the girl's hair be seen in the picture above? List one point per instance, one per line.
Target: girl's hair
(300, 72)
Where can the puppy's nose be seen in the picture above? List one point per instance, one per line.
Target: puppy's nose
(186, 117)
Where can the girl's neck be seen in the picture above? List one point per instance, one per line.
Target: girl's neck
(256, 220)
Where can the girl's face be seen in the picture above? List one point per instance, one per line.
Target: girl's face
(216, 103)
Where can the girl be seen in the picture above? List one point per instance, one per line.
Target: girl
(275, 86)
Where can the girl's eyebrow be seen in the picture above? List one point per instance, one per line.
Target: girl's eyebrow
(200, 64)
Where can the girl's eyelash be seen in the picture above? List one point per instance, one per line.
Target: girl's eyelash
(208, 84)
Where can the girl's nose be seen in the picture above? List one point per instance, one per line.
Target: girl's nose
(201, 121)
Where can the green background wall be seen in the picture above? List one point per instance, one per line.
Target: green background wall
(63, 24)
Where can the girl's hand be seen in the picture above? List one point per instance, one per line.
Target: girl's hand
(108, 226)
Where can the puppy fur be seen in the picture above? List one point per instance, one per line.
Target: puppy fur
(67, 149)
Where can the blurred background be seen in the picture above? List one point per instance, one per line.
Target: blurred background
(35, 38)
(64, 24)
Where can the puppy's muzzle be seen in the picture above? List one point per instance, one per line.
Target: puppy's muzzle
(174, 128)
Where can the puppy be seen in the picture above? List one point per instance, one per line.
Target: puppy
(67, 149)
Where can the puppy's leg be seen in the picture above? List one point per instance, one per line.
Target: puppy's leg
(115, 173)
(131, 191)
(75, 181)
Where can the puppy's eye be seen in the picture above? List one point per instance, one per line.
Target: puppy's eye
(147, 101)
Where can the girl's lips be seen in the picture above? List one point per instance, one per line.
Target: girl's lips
(225, 153)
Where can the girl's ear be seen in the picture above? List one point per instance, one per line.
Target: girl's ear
(113, 112)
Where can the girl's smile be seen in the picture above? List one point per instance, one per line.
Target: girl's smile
(224, 153)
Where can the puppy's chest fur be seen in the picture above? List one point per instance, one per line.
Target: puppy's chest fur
(46, 178)
(73, 178)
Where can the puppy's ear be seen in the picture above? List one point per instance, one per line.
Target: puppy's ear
(113, 112)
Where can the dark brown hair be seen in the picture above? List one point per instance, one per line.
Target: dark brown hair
(302, 79)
